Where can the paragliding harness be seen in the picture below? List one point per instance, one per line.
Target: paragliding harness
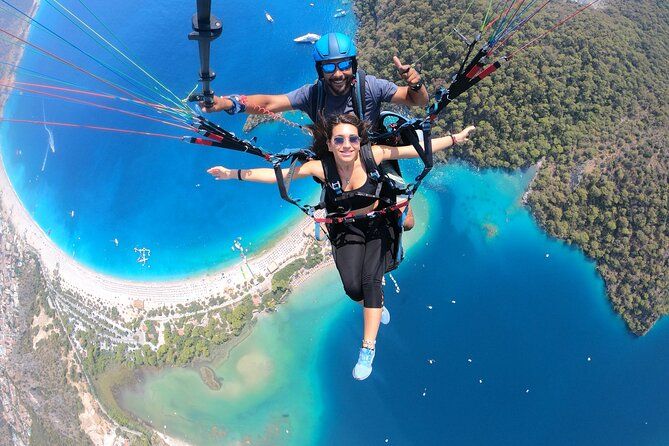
(385, 194)
(393, 129)
(386, 176)
(391, 190)
(359, 99)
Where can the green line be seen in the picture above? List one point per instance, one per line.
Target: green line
(131, 78)
(90, 11)
(485, 18)
(177, 102)
(444, 38)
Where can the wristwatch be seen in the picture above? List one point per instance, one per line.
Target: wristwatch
(238, 105)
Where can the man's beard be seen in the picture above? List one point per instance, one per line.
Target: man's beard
(340, 88)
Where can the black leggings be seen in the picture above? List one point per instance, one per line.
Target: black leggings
(361, 251)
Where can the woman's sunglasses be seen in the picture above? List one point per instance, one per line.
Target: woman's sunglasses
(339, 140)
(332, 66)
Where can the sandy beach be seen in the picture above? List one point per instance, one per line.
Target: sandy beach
(123, 293)
(111, 291)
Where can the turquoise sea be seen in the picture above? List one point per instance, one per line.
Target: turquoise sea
(499, 334)
(154, 192)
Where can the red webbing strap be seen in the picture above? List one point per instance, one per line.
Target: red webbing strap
(351, 216)
(201, 141)
(488, 70)
(476, 69)
(211, 135)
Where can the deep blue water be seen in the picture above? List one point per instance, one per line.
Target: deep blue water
(147, 191)
(528, 323)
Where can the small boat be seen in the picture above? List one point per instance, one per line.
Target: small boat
(269, 17)
(340, 14)
(307, 38)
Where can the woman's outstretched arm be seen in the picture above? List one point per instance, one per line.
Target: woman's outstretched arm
(383, 153)
(266, 175)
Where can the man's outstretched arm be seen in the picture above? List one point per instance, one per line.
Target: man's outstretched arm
(254, 104)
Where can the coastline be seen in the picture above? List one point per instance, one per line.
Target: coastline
(125, 294)
(415, 240)
(536, 167)
(137, 298)
(153, 294)
(14, 56)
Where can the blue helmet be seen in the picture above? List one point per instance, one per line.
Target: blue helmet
(333, 46)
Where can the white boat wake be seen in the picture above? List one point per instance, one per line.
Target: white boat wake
(51, 141)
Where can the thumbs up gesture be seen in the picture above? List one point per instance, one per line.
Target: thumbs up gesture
(408, 73)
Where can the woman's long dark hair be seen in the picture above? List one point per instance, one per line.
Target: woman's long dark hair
(323, 131)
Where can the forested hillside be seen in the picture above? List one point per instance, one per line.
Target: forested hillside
(592, 98)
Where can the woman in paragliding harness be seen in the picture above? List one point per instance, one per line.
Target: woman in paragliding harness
(363, 243)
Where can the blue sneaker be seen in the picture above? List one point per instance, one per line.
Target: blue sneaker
(364, 366)
(385, 316)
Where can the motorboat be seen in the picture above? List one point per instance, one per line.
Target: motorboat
(307, 38)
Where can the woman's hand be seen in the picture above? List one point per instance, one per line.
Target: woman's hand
(463, 136)
(222, 173)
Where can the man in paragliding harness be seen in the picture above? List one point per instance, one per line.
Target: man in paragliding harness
(341, 88)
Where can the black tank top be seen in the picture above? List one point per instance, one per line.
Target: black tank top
(352, 200)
